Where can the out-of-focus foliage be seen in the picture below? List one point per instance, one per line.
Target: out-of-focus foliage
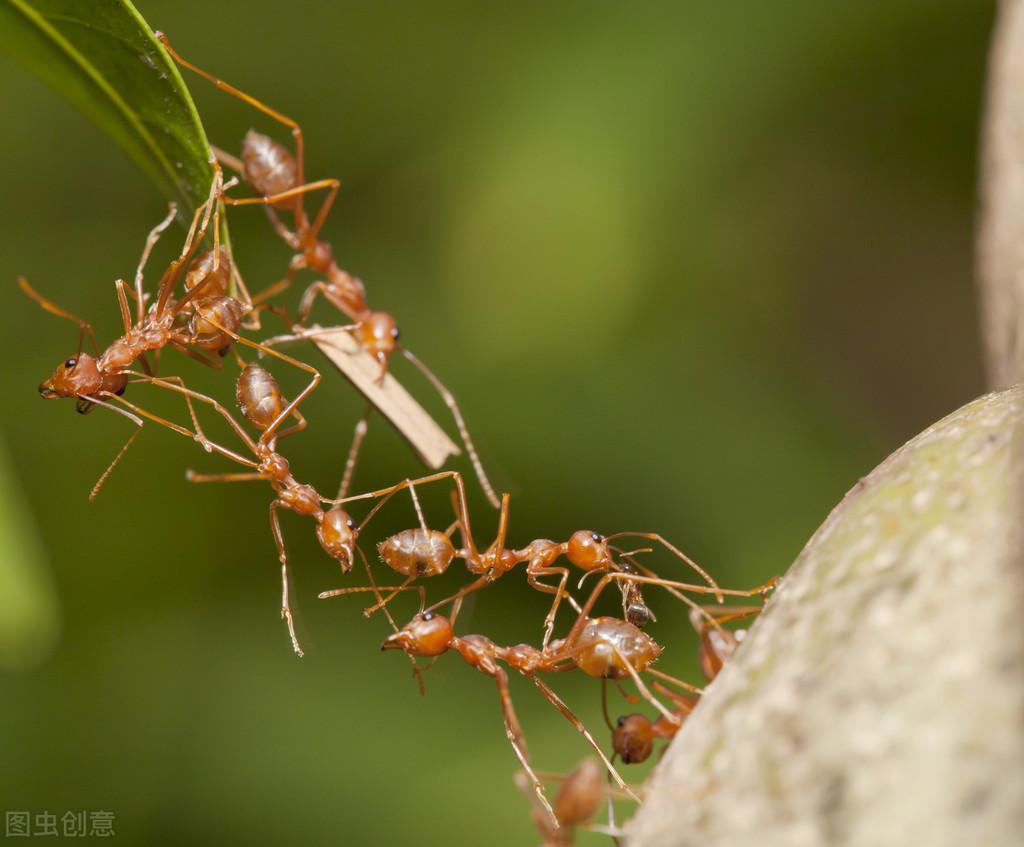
(104, 58)
(688, 267)
(28, 609)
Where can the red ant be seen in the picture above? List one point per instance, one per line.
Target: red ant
(204, 318)
(425, 552)
(604, 647)
(633, 735)
(280, 178)
(576, 802)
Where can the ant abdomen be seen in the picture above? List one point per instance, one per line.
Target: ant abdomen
(210, 318)
(211, 271)
(418, 552)
(269, 167)
(258, 395)
(606, 645)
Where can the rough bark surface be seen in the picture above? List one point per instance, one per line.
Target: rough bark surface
(1001, 230)
(879, 699)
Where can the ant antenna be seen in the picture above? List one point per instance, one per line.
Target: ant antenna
(460, 423)
(103, 478)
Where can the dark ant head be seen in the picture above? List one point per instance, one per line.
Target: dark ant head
(337, 534)
(76, 377)
(588, 550)
(633, 738)
(424, 635)
(639, 614)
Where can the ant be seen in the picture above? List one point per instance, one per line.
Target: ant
(424, 552)
(576, 802)
(602, 647)
(633, 735)
(204, 318)
(280, 178)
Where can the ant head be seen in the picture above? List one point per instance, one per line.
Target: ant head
(587, 550)
(379, 335)
(75, 377)
(633, 738)
(337, 534)
(424, 635)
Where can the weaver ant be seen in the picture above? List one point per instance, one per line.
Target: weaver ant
(633, 735)
(280, 178)
(205, 318)
(602, 647)
(424, 552)
(578, 799)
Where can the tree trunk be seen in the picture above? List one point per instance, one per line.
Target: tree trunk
(879, 699)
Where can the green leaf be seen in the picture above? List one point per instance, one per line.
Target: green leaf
(102, 56)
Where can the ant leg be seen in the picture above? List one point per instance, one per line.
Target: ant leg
(196, 234)
(246, 98)
(391, 621)
(455, 476)
(680, 683)
(296, 264)
(51, 307)
(282, 555)
(532, 574)
(659, 539)
(514, 732)
(151, 240)
(353, 452)
(645, 692)
(460, 423)
(405, 586)
(122, 302)
(558, 703)
(192, 476)
(394, 589)
(178, 385)
(227, 159)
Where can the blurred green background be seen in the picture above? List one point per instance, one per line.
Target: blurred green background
(690, 267)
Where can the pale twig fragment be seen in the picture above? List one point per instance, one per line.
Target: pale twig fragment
(389, 397)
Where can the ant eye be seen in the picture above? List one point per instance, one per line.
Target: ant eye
(428, 616)
(621, 720)
(350, 523)
(70, 363)
(395, 333)
(597, 537)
